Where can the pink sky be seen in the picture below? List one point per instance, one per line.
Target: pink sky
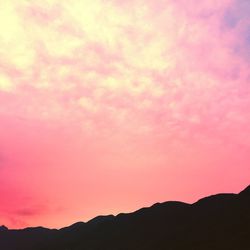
(109, 106)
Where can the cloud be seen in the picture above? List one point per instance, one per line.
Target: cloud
(5, 83)
(87, 59)
(30, 211)
(19, 210)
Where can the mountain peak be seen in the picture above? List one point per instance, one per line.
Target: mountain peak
(3, 228)
(246, 191)
(100, 219)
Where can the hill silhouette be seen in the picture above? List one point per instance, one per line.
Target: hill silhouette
(3, 228)
(219, 221)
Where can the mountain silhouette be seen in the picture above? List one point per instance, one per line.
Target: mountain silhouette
(3, 228)
(216, 222)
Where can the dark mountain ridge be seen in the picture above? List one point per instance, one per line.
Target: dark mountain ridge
(219, 221)
(3, 228)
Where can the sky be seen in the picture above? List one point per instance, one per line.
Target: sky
(110, 106)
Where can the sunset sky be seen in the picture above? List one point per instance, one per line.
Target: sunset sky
(107, 106)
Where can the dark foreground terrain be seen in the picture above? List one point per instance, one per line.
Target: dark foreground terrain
(217, 222)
